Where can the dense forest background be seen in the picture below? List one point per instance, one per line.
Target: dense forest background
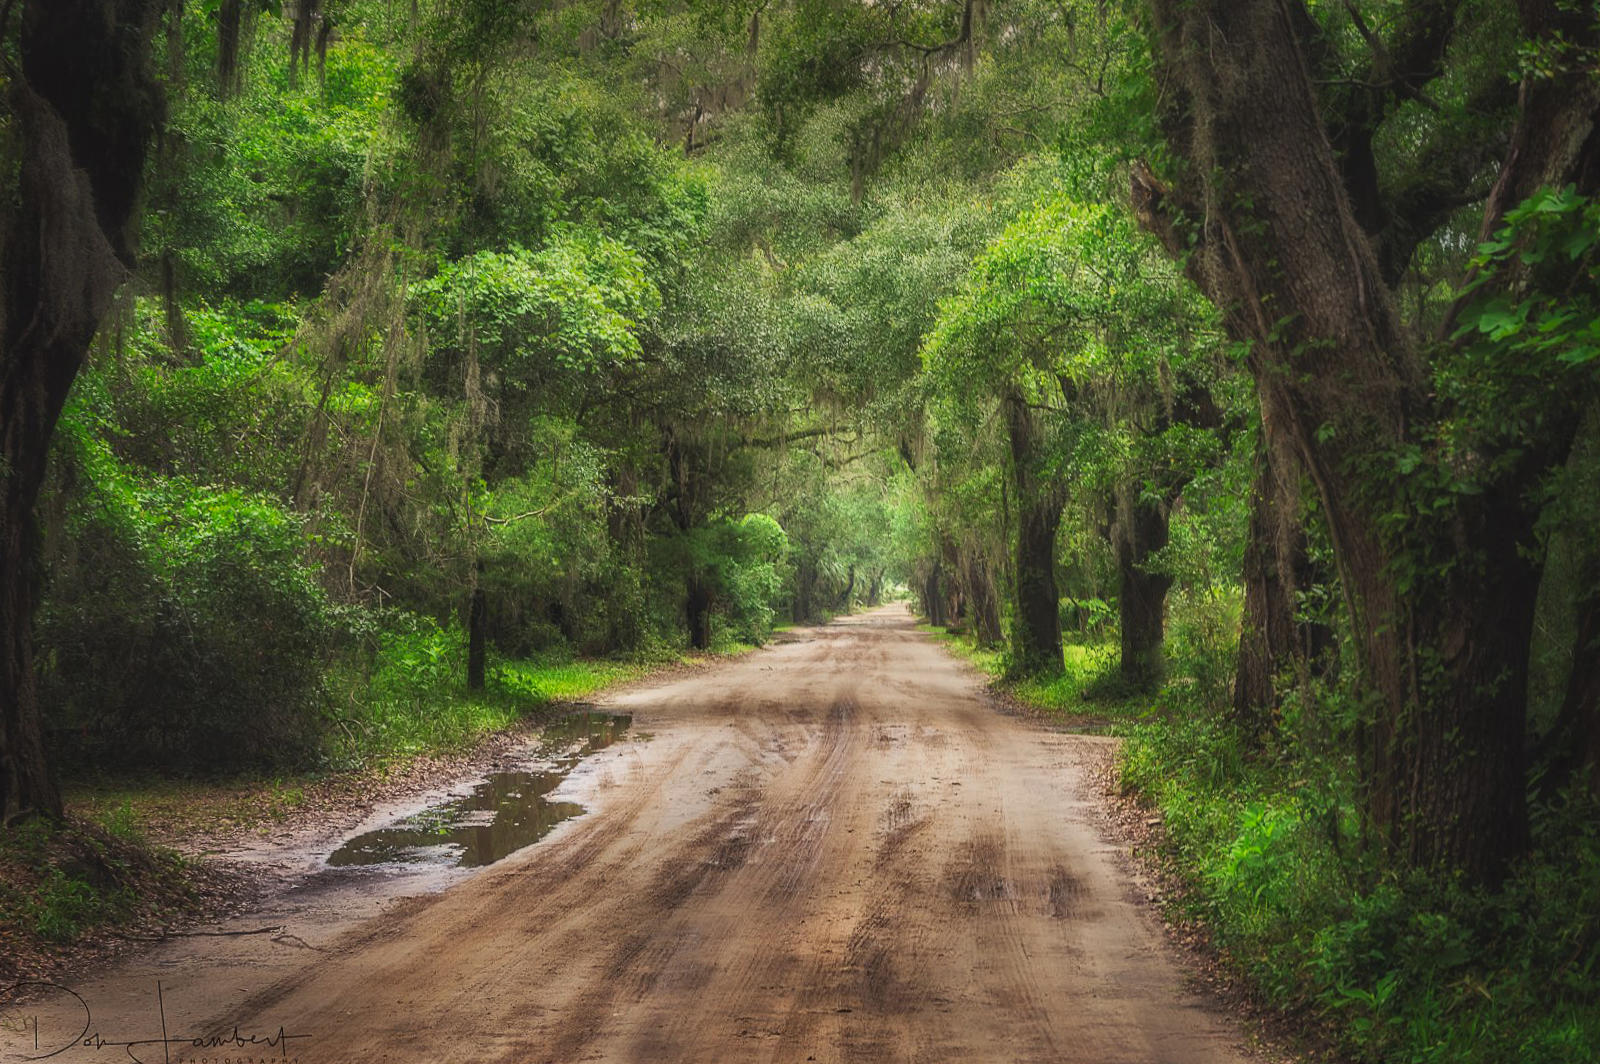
(1226, 369)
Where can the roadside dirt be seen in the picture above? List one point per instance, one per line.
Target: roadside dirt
(832, 850)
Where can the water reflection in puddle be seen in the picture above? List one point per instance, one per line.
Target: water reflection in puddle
(504, 813)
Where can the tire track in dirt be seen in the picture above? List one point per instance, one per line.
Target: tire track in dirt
(833, 850)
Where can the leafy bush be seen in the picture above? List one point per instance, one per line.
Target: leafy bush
(184, 630)
(1403, 968)
(740, 563)
(1202, 636)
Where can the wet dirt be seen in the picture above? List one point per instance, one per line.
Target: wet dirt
(832, 850)
(503, 813)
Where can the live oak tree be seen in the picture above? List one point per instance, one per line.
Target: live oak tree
(1093, 352)
(1293, 221)
(84, 103)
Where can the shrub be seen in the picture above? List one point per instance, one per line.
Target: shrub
(181, 627)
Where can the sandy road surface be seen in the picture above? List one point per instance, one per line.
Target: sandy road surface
(832, 850)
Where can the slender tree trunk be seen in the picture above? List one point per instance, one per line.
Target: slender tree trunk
(805, 580)
(477, 639)
(85, 105)
(1036, 635)
(1140, 531)
(1442, 604)
(697, 607)
(933, 598)
(1265, 634)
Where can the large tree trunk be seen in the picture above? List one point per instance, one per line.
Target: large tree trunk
(1036, 627)
(1442, 602)
(1138, 533)
(982, 594)
(84, 107)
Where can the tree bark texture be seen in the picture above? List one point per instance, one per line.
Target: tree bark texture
(1273, 642)
(1138, 533)
(84, 106)
(477, 639)
(1036, 634)
(1441, 604)
(984, 598)
(697, 607)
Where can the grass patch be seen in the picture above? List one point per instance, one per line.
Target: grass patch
(1084, 672)
(989, 661)
(413, 704)
(413, 700)
(1089, 672)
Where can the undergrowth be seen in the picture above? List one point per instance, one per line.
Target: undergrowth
(414, 700)
(1264, 838)
(1085, 686)
(1397, 968)
(61, 880)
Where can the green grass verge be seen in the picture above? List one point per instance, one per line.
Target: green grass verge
(1086, 687)
(412, 704)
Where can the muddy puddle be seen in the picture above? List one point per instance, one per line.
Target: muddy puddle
(502, 814)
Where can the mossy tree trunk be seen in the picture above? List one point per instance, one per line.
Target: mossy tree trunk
(1442, 600)
(85, 105)
(983, 595)
(1141, 529)
(1036, 626)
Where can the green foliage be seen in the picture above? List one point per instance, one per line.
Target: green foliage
(268, 198)
(601, 309)
(1409, 969)
(61, 879)
(1203, 635)
(184, 628)
(569, 310)
(411, 698)
(1539, 325)
(738, 563)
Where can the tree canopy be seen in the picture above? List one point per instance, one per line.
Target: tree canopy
(351, 348)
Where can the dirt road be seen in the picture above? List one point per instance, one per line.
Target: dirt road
(832, 850)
